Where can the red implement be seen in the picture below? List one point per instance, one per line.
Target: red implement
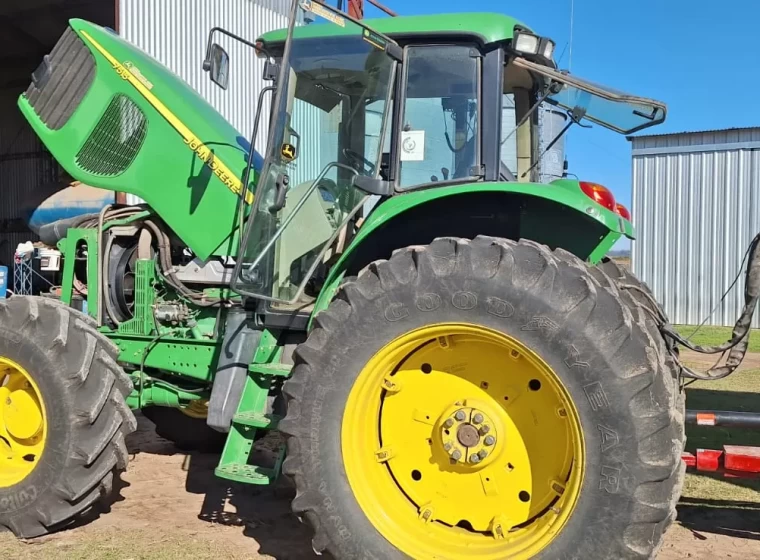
(735, 461)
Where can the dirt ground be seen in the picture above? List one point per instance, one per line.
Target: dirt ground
(172, 507)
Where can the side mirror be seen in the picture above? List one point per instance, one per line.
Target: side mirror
(218, 65)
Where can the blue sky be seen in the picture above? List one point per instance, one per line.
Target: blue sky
(677, 51)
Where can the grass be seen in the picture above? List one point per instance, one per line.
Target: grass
(740, 391)
(712, 336)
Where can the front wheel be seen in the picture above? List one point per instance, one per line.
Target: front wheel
(486, 399)
(63, 415)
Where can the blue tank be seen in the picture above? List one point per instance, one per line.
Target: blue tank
(68, 202)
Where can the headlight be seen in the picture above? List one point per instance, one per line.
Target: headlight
(547, 48)
(526, 43)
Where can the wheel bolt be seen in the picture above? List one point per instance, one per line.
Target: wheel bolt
(448, 423)
(474, 459)
(490, 440)
(478, 418)
(460, 415)
(456, 455)
(484, 429)
(483, 454)
(447, 446)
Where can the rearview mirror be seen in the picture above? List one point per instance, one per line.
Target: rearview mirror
(218, 65)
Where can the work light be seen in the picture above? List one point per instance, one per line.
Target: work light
(547, 48)
(526, 43)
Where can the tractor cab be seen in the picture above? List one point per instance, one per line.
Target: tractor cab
(365, 113)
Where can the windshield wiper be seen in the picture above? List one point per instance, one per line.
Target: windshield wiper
(527, 115)
(575, 118)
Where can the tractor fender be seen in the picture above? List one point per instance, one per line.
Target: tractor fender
(557, 214)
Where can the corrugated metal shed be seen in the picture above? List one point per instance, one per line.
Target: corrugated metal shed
(174, 32)
(24, 166)
(696, 207)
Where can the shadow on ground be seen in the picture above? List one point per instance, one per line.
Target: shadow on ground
(261, 512)
(720, 517)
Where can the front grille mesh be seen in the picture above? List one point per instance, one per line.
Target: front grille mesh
(70, 71)
(116, 140)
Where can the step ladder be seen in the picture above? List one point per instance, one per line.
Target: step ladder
(250, 418)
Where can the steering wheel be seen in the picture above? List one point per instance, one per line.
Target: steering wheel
(331, 188)
(359, 162)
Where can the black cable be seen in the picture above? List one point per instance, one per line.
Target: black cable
(737, 345)
(723, 297)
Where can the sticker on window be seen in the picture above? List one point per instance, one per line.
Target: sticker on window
(316, 9)
(374, 39)
(413, 145)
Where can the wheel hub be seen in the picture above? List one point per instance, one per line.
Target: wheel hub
(23, 417)
(468, 434)
(22, 423)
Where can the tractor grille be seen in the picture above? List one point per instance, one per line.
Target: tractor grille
(115, 141)
(60, 83)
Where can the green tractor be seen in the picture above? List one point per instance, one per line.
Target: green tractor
(456, 368)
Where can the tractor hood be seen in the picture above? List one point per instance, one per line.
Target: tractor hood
(116, 119)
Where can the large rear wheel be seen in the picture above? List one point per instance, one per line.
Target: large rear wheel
(485, 399)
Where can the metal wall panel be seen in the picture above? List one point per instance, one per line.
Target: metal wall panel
(696, 207)
(24, 166)
(174, 32)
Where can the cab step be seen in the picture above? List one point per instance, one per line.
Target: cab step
(248, 474)
(273, 370)
(252, 474)
(240, 460)
(257, 420)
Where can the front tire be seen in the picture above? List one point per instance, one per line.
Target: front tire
(64, 415)
(601, 372)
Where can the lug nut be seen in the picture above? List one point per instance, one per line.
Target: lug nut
(490, 440)
(478, 418)
(483, 454)
(484, 429)
(460, 415)
(447, 446)
(474, 459)
(448, 423)
(456, 455)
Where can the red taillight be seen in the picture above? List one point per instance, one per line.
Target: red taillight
(260, 49)
(598, 193)
(623, 211)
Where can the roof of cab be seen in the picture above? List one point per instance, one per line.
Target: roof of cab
(487, 27)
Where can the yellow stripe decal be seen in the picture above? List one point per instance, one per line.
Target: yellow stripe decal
(193, 142)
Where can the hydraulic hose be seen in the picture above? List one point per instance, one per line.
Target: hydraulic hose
(737, 345)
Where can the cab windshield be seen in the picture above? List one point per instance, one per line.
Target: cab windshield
(616, 110)
(330, 114)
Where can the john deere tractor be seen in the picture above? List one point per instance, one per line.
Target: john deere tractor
(456, 368)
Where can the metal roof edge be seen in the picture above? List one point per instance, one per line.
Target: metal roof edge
(631, 138)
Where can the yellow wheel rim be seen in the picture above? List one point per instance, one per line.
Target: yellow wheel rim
(23, 425)
(196, 409)
(460, 442)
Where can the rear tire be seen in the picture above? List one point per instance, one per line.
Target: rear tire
(596, 339)
(83, 391)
